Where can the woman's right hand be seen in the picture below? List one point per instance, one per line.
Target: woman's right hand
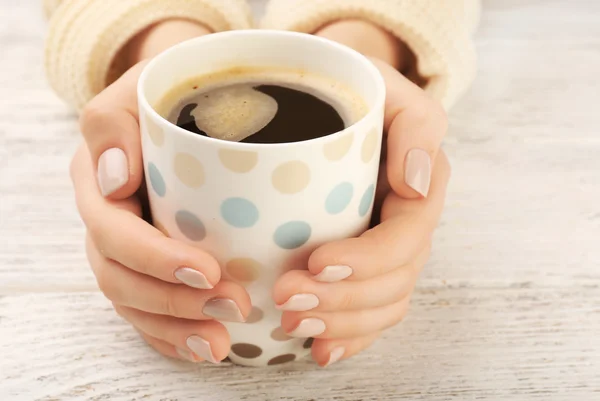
(169, 291)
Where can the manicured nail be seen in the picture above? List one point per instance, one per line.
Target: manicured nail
(335, 355)
(192, 278)
(331, 274)
(308, 328)
(201, 347)
(300, 303)
(113, 171)
(185, 354)
(417, 173)
(223, 309)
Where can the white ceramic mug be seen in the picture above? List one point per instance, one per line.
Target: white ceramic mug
(261, 209)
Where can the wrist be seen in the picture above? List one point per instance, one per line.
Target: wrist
(159, 37)
(368, 39)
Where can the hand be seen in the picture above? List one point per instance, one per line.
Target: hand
(169, 291)
(356, 288)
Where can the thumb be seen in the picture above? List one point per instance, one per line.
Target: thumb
(415, 124)
(109, 124)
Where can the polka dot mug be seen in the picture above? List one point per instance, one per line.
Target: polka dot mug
(261, 209)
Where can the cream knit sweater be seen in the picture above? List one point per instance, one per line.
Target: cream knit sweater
(85, 35)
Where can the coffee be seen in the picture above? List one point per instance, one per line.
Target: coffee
(262, 106)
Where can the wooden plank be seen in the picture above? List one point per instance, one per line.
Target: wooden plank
(525, 344)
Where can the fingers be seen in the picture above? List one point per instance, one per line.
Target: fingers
(191, 339)
(343, 325)
(297, 291)
(227, 301)
(327, 352)
(416, 125)
(167, 349)
(405, 229)
(123, 236)
(109, 124)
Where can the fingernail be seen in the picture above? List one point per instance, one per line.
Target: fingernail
(417, 173)
(300, 302)
(308, 328)
(113, 171)
(223, 309)
(192, 278)
(335, 355)
(185, 354)
(201, 347)
(331, 274)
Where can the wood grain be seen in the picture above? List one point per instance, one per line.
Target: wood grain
(507, 309)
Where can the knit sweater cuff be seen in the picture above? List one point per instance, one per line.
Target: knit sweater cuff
(85, 36)
(437, 31)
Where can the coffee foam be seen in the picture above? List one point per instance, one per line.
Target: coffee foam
(234, 110)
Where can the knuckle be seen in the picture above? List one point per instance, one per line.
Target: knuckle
(106, 284)
(93, 114)
(170, 303)
(347, 300)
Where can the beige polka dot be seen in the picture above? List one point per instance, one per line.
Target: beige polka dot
(238, 161)
(243, 269)
(337, 149)
(282, 359)
(279, 335)
(368, 146)
(189, 170)
(256, 315)
(308, 343)
(246, 350)
(155, 133)
(291, 177)
(161, 228)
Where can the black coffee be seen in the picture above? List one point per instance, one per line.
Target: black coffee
(298, 115)
(261, 105)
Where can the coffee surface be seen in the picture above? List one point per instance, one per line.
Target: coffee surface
(262, 106)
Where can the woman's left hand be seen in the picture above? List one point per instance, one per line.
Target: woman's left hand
(356, 288)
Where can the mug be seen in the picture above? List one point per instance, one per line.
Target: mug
(261, 209)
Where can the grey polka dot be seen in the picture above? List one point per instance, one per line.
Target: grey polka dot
(190, 225)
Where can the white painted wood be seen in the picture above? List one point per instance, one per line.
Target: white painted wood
(507, 309)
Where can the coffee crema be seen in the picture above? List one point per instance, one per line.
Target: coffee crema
(262, 105)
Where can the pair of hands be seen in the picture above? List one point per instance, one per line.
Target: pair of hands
(172, 292)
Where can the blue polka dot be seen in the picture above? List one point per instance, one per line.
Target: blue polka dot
(339, 198)
(156, 180)
(190, 225)
(239, 212)
(366, 201)
(292, 235)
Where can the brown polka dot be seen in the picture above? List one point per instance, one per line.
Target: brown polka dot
(238, 161)
(308, 343)
(161, 228)
(279, 335)
(155, 133)
(255, 315)
(291, 177)
(337, 149)
(282, 359)
(243, 269)
(368, 146)
(246, 350)
(189, 170)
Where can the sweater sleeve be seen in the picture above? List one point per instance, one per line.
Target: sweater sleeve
(84, 36)
(437, 31)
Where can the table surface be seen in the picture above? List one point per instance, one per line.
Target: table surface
(507, 309)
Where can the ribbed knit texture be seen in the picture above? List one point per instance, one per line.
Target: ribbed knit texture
(85, 35)
(437, 31)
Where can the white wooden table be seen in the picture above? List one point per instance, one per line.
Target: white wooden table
(507, 309)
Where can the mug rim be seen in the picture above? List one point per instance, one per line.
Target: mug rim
(378, 106)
